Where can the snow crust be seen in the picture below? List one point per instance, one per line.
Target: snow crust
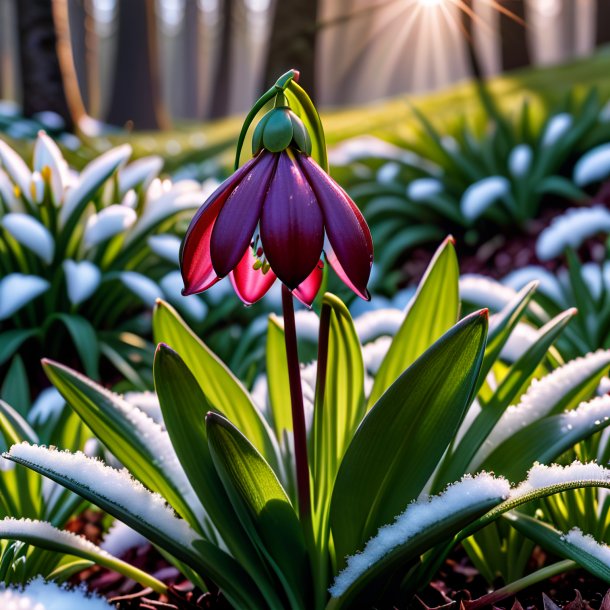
(118, 486)
(485, 292)
(541, 476)
(121, 538)
(480, 195)
(419, 516)
(544, 393)
(587, 543)
(41, 595)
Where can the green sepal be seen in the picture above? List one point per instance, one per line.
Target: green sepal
(277, 132)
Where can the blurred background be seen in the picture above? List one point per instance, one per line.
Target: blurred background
(147, 64)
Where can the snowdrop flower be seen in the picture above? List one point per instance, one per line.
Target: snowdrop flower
(520, 160)
(166, 246)
(480, 195)
(48, 405)
(42, 595)
(388, 172)
(16, 168)
(556, 128)
(37, 188)
(140, 173)
(130, 199)
(450, 144)
(142, 286)
(192, 305)
(593, 166)
(572, 228)
(107, 223)
(101, 167)
(17, 289)
(49, 161)
(30, 233)
(8, 193)
(423, 189)
(82, 280)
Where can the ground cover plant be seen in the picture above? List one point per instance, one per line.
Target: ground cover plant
(281, 505)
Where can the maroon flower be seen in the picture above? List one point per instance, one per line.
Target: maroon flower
(270, 219)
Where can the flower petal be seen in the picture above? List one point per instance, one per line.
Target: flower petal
(82, 280)
(292, 225)
(107, 223)
(30, 233)
(250, 284)
(195, 262)
(17, 289)
(307, 290)
(240, 214)
(351, 251)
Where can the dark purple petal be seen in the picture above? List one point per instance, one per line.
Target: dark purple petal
(195, 262)
(292, 225)
(250, 284)
(351, 254)
(307, 290)
(240, 214)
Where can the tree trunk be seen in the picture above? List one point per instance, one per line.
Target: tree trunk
(602, 22)
(136, 94)
(192, 60)
(292, 42)
(41, 79)
(513, 35)
(467, 25)
(222, 80)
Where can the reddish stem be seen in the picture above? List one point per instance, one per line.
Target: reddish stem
(296, 401)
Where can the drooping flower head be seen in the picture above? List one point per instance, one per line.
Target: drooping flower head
(276, 217)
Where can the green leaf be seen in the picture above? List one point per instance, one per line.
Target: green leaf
(457, 462)
(553, 540)
(400, 442)
(140, 509)
(16, 387)
(45, 536)
(84, 338)
(184, 406)
(131, 436)
(277, 378)
(433, 310)
(12, 340)
(222, 389)
(262, 505)
(558, 185)
(14, 427)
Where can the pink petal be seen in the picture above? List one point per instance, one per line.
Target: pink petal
(240, 215)
(351, 254)
(292, 225)
(250, 284)
(195, 262)
(307, 290)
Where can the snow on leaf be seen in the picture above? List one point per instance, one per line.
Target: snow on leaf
(423, 189)
(520, 160)
(480, 195)
(556, 128)
(419, 516)
(593, 166)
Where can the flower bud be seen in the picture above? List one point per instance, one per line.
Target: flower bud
(279, 129)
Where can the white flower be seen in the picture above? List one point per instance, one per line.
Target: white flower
(593, 166)
(107, 223)
(556, 128)
(82, 280)
(424, 188)
(17, 289)
(91, 178)
(48, 158)
(572, 228)
(48, 405)
(388, 172)
(140, 173)
(30, 233)
(7, 193)
(16, 168)
(142, 286)
(37, 188)
(192, 305)
(520, 160)
(450, 144)
(480, 195)
(166, 246)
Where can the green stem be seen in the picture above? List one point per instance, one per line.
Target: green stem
(491, 599)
